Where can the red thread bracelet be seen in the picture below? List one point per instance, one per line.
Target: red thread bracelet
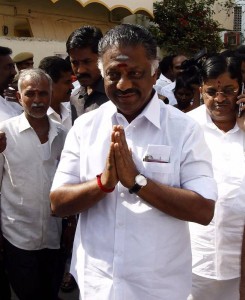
(101, 186)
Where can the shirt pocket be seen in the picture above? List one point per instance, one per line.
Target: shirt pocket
(157, 163)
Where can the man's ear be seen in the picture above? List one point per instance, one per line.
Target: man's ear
(155, 76)
(18, 95)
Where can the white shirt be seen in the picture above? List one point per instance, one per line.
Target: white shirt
(168, 91)
(125, 248)
(27, 177)
(216, 248)
(65, 109)
(9, 109)
(161, 82)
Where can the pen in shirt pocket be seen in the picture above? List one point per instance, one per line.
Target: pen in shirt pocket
(150, 158)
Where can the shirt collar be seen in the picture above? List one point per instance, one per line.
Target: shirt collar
(211, 124)
(23, 124)
(98, 87)
(150, 112)
(64, 108)
(54, 129)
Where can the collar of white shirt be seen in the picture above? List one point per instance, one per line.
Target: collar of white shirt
(151, 111)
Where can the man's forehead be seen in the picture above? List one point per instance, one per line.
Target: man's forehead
(179, 59)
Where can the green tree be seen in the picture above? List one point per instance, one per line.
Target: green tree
(187, 25)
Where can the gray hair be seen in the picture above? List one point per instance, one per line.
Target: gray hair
(125, 35)
(36, 75)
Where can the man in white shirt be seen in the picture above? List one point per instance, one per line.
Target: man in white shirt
(168, 89)
(137, 170)
(216, 248)
(31, 234)
(60, 72)
(166, 74)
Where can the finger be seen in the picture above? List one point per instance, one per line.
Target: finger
(110, 159)
(241, 98)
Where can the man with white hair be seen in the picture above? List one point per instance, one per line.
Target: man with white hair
(27, 165)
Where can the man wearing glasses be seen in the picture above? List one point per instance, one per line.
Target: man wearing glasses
(216, 248)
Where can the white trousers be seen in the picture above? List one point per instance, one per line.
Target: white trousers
(210, 289)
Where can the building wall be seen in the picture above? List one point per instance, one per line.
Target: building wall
(40, 48)
(42, 27)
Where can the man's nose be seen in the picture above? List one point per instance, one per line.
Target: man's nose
(219, 96)
(81, 69)
(124, 83)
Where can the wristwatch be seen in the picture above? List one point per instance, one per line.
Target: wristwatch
(140, 181)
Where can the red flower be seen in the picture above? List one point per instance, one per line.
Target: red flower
(183, 22)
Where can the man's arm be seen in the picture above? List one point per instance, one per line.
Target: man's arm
(71, 199)
(179, 203)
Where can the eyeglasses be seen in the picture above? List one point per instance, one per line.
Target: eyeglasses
(227, 92)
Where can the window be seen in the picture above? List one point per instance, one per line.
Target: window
(237, 25)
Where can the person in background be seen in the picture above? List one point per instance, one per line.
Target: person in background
(186, 90)
(23, 60)
(137, 171)
(60, 72)
(82, 48)
(166, 74)
(63, 112)
(8, 109)
(88, 93)
(216, 248)
(175, 69)
(31, 236)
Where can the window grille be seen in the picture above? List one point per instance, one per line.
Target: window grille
(237, 25)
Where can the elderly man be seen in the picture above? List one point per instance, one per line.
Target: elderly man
(31, 234)
(82, 48)
(137, 170)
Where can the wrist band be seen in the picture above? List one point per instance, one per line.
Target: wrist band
(101, 186)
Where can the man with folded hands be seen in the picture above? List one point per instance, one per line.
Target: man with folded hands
(137, 171)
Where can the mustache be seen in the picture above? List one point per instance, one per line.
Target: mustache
(128, 91)
(216, 103)
(37, 105)
(83, 76)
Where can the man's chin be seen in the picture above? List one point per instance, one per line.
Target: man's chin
(85, 82)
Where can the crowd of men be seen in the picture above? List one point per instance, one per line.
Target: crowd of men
(110, 156)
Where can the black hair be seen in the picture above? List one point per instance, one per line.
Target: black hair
(129, 35)
(83, 37)
(166, 63)
(5, 51)
(54, 66)
(218, 64)
(185, 80)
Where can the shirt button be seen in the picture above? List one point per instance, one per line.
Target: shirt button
(122, 195)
